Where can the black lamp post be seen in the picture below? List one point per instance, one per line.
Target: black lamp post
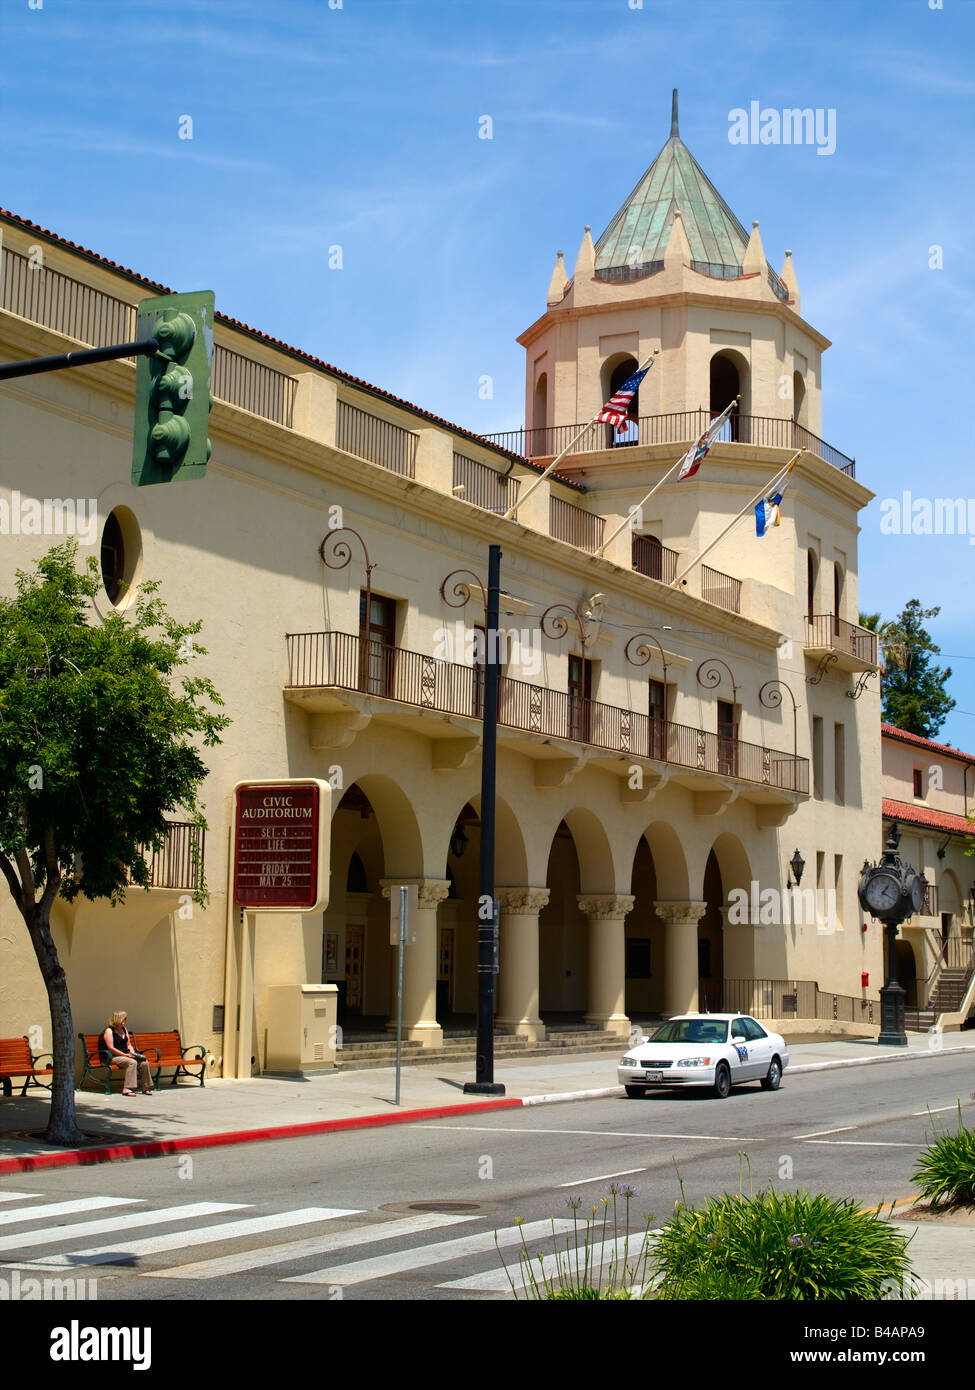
(891, 891)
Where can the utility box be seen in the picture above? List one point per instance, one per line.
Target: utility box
(301, 1028)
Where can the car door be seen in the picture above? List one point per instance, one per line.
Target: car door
(759, 1047)
(742, 1067)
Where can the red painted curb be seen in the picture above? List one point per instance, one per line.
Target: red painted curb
(155, 1148)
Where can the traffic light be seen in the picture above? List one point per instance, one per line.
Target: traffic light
(172, 393)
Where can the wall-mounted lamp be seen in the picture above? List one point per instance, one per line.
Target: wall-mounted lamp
(796, 864)
(458, 841)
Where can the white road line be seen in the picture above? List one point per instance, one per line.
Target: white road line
(815, 1133)
(313, 1245)
(602, 1177)
(940, 1109)
(202, 1235)
(8, 1218)
(403, 1260)
(63, 1234)
(17, 1196)
(625, 1249)
(867, 1143)
(604, 1133)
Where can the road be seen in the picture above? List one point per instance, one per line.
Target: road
(374, 1214)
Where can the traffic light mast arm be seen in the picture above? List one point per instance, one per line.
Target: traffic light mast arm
(34, 365)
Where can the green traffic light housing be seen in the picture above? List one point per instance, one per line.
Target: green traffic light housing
(173, 397)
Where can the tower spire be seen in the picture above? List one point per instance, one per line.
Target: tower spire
(673, 116)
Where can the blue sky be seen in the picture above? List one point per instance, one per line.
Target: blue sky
(358, 127)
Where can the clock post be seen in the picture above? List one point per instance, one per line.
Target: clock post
(891, 892)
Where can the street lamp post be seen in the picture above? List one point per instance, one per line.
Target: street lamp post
(891, 891)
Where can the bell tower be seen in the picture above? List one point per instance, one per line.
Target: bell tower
(674, 269)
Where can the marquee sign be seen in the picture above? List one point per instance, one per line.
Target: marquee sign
(281, 845)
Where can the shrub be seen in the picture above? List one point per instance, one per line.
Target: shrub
(946, 1169)
(778, 1245)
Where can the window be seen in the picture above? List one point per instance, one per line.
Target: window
(727, 738)
(837, 904)
(753, 1032)
(580, 696)
(817, 752)
(810, 583)
(918, 782)
(377, 645)
(658, 719)
(837, 595)
(839, 764)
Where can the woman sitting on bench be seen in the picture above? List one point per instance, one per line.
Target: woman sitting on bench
(115, 1049)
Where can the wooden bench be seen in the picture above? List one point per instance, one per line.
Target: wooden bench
(16, 1059)
(160, 1049)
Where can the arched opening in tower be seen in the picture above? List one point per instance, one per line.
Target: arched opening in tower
(726, 383)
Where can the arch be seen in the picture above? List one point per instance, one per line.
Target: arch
(613, 373)
(710, 939)
(905, 968)
(950, 894)
(673, 879)
(597, 865)
(812, 570)
(540, 403)
(356, 880)
(837, 588)
(729, 377)
(799, 411)
(398, 826)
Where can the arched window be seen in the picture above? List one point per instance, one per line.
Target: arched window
(728, 375)
(810, 583)
(837, 594)
(798, 399)
(540, 407)
(356, 879)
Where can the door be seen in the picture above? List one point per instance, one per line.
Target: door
(580, 694)
(377, 645)
(354, 937)
(759, 1048)
(658, 720)
(744, 1068)
(727, 739)
(445, 972)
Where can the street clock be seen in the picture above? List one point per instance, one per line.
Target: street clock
(891, 891)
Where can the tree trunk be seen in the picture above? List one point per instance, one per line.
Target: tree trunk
(62, 1126)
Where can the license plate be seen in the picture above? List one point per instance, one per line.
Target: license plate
(653, 1076)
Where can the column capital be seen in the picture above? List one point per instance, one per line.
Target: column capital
(523, 900)
(605, 906)
(677, 911)
(430, 891)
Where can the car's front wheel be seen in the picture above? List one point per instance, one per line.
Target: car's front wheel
(771, 1081)
(635, 1091)
(722, 1081)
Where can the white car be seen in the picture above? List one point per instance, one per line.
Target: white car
(714, 1050)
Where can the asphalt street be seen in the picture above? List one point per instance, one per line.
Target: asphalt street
(413, 1212)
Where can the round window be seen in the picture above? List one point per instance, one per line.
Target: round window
(121, 554)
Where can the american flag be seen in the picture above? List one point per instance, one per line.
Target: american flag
(698, 451)
(616, 410)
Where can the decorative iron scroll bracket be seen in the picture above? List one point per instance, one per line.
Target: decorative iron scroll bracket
(642, 654)
(829, 660)
(708, 675)
(554, 624)
(861, 685)
(461, 591)
(770, 697)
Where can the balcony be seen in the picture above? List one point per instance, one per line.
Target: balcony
(407, 685)
(370, 437)
(483, 486)
(654, 560)
(679, 428)
(835, 642)
(720, 589)
(575, 525)
(179, 864)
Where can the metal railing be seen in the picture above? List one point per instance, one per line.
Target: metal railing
(484, 486)
(679, 427)
(379, 441)
(179, 864)
(69, 306)
(782, 999)
(929, 906)
(323, 660)
(574, 525)
(826, 630)
(720, 589)
(624, 274)
(654, 560)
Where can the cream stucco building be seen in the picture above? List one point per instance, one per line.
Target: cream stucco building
(666, 744)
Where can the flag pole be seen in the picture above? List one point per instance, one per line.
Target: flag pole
(648, 362)
(718, 420)
(747, 507)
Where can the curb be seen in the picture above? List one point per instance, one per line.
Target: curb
(157, 1148)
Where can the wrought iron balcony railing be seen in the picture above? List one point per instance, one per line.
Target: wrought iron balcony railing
(720, 589)
(483, 486)
(679, 427)
(323, 660)
(825, 630)
(654, 560)
(179, 864)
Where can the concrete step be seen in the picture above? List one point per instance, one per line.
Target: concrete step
(430, 1057)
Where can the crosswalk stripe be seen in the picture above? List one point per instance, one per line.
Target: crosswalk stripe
(627, 1250)
(313, 1245)
(17, 1196)
(8, 1218)
(201, 1235)
(403, 1260)
(117, 1223)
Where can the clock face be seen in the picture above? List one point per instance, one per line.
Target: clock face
(882, 892)
(917, 893)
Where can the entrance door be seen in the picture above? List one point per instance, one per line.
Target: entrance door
(580, 694)
(353, 969)
(445, 972)
(658, 720)
(377, 651)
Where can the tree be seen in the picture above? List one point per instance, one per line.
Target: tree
(913, 693)
(95, 748)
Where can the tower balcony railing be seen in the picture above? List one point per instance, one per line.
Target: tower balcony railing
(343, 661)
(827, 633)
(679, 427)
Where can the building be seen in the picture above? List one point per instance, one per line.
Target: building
(667, 742)
(929, 790)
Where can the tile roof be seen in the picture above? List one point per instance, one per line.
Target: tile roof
(931, 820)
(297, 353)
(902, 736)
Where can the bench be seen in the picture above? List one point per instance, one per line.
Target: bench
(160, 1049)
(16, 1059)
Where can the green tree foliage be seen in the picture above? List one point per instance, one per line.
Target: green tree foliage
(96, 747)
(913, 693)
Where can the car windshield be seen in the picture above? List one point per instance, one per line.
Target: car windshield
(692, 1030)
